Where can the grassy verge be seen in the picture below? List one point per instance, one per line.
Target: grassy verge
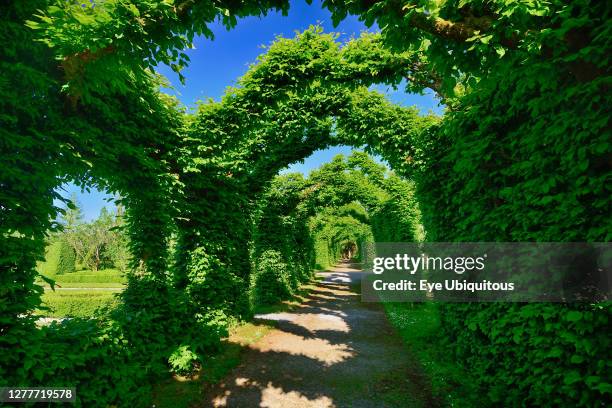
(76, 303)
(287, 305)
(180, 392)
(419, 326)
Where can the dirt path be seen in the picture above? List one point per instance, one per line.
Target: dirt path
(331, 351)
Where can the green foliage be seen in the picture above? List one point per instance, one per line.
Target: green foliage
(211, 285)
(183, 361)
(92, 356)
(66, 259)
(460, 42)
(48, 266)
(145, 302)
(271, 279)
(77, 303)
(552, 354)
(113, 43)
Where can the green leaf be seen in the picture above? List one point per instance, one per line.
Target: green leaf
(573, 316)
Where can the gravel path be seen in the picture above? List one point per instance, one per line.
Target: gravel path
(331, 351)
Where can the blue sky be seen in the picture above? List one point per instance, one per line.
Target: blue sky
(216, 64)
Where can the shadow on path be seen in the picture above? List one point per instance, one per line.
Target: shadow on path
(331, 351)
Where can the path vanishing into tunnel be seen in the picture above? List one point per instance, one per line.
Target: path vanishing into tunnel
(330, 351)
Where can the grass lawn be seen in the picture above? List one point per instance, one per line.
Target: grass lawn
(101, 276)
(419, 326)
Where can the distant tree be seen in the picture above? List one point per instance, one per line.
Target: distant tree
(97, 236)
(98, 244)
(72, 216)
(72, 222)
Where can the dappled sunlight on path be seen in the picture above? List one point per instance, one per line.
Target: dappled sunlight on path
(329, 351)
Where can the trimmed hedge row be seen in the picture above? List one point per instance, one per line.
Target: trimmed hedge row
(524, 159)
(103, 276)
(77, 303)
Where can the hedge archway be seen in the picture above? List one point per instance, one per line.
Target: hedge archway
(522, 154)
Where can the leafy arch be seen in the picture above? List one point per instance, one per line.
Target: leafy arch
(537, 73)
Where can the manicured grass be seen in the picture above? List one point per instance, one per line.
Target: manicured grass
(76, 303)
(419, 326)
(81, 303)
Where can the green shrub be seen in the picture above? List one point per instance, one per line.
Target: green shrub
(271, 281)
(212, 283)
(66, 259)
(92, 356)
(183, 361)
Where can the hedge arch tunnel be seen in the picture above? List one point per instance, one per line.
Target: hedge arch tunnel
(270, 120)
(194, 179)
(105, 144)
(194, 182)
(260, 154)
(303, 224)
(505, 164)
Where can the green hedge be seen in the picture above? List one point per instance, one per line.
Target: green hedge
(534, 355)
(77, 303)
(271, 279)
(526, 159)
(102, 276)
(48, 267)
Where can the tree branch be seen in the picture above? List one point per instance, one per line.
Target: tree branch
(456, 31)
